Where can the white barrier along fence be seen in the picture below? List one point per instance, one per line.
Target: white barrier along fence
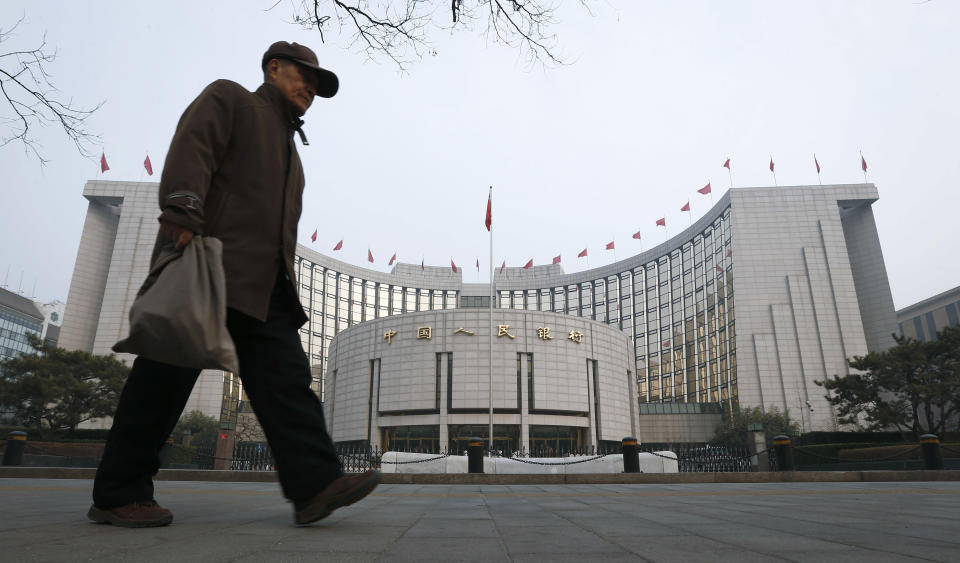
(401, 462)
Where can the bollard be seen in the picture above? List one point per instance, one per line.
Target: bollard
(631, 455)
(475, 455)
(784, 450)
(16, 441)
(930, 444)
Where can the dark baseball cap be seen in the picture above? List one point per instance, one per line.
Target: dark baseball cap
(327, 82)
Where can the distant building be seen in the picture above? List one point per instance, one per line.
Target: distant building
(19, 317)
(770, 290)
(52, 317)
(923, 320)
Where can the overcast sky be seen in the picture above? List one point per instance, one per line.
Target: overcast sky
(657, 96)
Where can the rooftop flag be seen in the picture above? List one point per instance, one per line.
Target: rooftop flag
(771, 164)
(636, 235)
(313, 237)
(369, 256)
(478, 264)
(392, 259)
(556, 259)
(453, 266)
(686, 206)
(489, 219)
(817, 163)
(421, 263)
(339, 245)
(528, 265)
(727, 164)
(582, 253)
(705, 190)
(662, 222)
(148, 165)
(103, 162)
(863, 163)
(502, 266)
(610, 245)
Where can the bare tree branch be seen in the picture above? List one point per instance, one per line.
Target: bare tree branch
(31, 95)
(399, 30)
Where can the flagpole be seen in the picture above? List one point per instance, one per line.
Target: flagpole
(711, 189)
(729, 173)
(493, 293)
(862, 167)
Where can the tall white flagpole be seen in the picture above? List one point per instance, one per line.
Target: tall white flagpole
(493, 293)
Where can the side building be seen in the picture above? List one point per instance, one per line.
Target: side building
(924, 319)
(772, 289)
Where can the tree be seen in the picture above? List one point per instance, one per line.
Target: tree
(914, 386)
(59, 389)
(36, 102)
(733, 432)
(198, 424)
(398, 30)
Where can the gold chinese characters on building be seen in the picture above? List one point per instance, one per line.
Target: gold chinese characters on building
(389, 335)
(504, 330)
(543, 333)
(576, 336)
(425, 333)
(462, 330)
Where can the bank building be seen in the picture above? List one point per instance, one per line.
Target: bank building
(772, 289)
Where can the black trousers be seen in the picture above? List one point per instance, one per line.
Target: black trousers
(276, 378)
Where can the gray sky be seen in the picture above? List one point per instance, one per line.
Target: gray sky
(658, 95)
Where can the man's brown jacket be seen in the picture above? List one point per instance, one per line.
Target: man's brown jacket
(233, 172)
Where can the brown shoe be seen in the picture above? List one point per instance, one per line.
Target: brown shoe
(146, 514)
(343, 492)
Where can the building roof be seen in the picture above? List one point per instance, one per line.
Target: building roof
(938, 300)
(20, 304)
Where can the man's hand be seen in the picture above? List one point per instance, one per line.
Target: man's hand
(180, 236)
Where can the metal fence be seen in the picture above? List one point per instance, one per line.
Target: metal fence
(356, 458)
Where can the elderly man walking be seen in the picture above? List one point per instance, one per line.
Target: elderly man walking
(233, 172)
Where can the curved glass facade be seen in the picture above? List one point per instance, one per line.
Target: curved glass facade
(676, 301)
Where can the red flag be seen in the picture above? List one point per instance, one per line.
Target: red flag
(148, 166)
(771, 164)
(339, 245)
(719, 269)
(686, 207)
(863, 163)
(392, 259)
(103, 162)
(478, 264)
(369, 256)
(705, 190)
(489, 219)
(662, 222)
(727, 164)
(421, 263)
(816, 163)
(313, 237)
(556, 259)
(453, 266)
(528, 265)
(636, 235)
(582, 253)
(610, 245)
(502, 266)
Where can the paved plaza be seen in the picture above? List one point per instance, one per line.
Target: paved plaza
(44, 520)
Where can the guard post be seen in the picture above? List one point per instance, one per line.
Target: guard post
(475, 455)
(16, 441)
(784, 449)
(631, 455)
(929, 443)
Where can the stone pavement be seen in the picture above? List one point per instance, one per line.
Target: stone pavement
(44, 520)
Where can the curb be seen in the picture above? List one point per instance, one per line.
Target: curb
(520, 479)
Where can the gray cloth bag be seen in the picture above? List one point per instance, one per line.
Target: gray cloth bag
(179, 316)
